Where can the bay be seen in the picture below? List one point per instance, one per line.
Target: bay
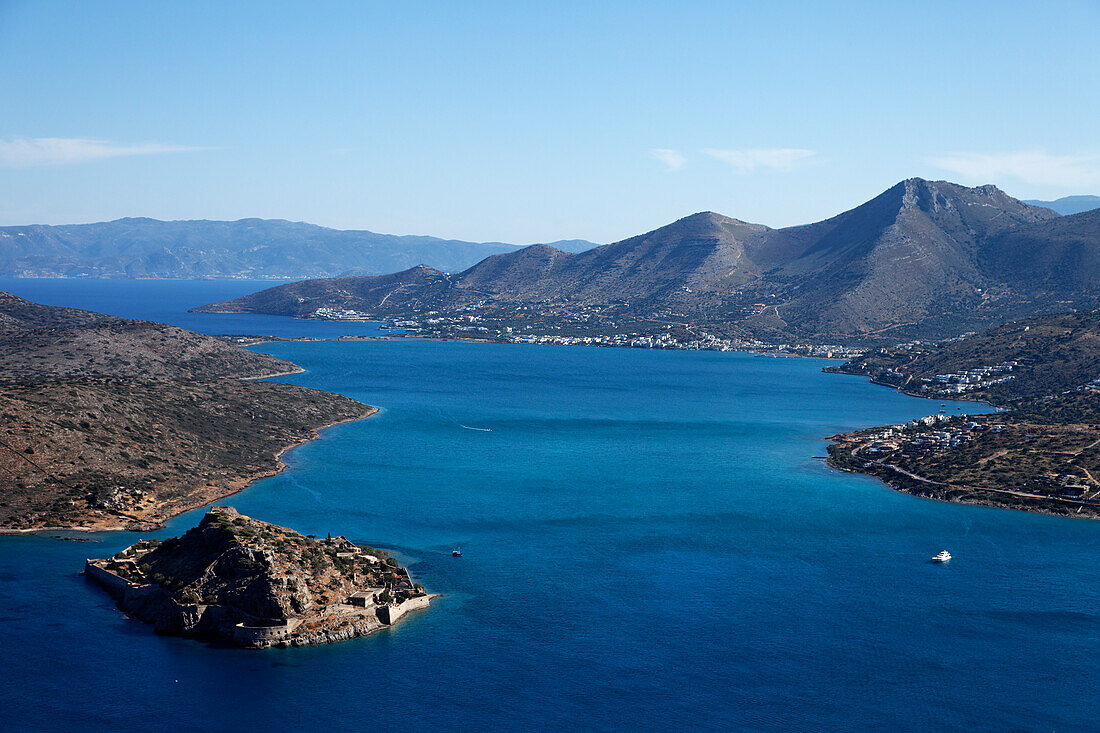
(648, 542)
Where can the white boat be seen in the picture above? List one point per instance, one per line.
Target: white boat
(943, 556)
(457, 552)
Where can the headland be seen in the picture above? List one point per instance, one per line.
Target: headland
(112, 423)
(1040, 452)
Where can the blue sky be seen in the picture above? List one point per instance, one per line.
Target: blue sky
(528, 122)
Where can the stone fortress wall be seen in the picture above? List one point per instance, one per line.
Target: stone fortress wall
(261, 634)
(388, 614)
(115, 585)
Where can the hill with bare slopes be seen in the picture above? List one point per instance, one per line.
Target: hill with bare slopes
(108, 423)
(926, 259)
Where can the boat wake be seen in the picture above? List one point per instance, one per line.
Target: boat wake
(482, 430)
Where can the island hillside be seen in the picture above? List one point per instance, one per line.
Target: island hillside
(111, 423)
(257, 585)
(41, 342)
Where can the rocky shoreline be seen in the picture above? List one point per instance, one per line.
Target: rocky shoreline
(147, 519)
(255, 585)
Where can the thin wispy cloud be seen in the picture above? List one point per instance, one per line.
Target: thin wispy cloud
(38, 151)
(750, 160)
(1031, 166)
(674, 160)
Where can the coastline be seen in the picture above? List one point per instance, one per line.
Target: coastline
(475, 340)
(946, 398)
(989, 503)
(897, 480)
(287, 373)
(156, 519)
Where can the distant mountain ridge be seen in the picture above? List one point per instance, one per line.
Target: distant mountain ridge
(1068, 205)
(244, 249)
(924, 258)
(908, 255)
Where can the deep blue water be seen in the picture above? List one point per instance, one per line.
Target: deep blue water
(648, 543)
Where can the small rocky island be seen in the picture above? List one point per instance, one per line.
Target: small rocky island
(257, 585)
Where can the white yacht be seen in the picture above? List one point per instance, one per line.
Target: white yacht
(943, 556)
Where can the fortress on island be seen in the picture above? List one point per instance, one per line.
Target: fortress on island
(257, 585)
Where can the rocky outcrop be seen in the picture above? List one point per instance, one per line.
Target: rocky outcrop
(257, 585)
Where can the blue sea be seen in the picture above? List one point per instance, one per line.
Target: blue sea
(649, 542)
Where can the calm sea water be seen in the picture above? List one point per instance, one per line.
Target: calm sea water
(648, 543)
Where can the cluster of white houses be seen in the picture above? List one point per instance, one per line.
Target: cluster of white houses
(968, 380)
(925, 434)
(340, 314)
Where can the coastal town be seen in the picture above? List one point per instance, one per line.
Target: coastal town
(917, 438)
(950, 383)
(563, 330)
(969, 380)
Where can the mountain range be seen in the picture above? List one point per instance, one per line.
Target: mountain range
(1069, 204)
(259, 249)
(922, 259)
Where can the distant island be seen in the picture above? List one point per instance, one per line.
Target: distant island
(923, 260)
(113, 423)
(248, 249)
(256, 585)
(1042, 453)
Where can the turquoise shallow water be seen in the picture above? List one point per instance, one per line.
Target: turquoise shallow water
(648, 543)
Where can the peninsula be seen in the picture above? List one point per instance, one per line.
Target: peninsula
(256, 585)
(111, 423)
(1040, 453)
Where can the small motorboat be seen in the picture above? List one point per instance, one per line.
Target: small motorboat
(457, 552)
(943, 556)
